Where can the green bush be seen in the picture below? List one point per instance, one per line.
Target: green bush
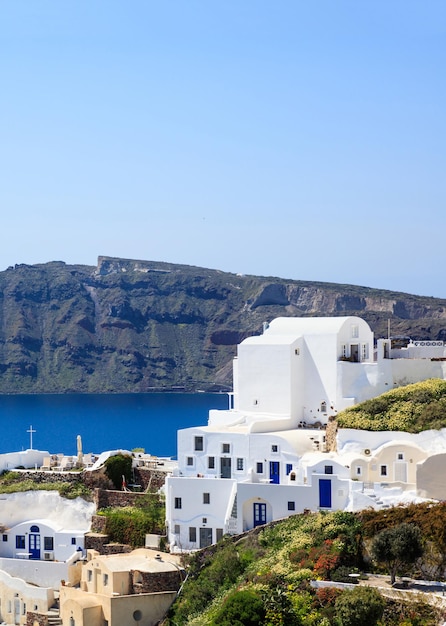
(130, 525)
(241, 608)
(362, 606)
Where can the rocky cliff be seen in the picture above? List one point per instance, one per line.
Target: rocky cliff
(134, 326)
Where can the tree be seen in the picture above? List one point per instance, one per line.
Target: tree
(362, 606)
(397, 546)
(117, 467)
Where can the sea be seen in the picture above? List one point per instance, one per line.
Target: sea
(52, 422)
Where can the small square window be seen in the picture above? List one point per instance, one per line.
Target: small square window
(199, 444)
(240, 465)
(291, 506)
(190, 461)
(211, 462)
(259, 468)
(206, 498)
(400, 456)
(205, 520)
(225, 448)
(178, 503)
(328, 469)
(274, 448)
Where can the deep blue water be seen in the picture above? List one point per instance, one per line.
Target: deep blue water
(105, 422)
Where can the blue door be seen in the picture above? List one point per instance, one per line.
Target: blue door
(259, 513)
(325, 493)
(274, 472)
(34, 543)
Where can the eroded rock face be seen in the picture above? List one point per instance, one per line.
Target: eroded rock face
(129, 325)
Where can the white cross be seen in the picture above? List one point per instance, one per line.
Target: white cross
(30, 431)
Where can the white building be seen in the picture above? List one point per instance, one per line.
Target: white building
(264, 458)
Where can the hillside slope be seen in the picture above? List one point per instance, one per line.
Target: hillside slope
(134, 326)
(413, 409)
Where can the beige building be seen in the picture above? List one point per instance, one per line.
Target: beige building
(122, 590)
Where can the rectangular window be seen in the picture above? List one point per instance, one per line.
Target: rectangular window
(240, 465)
(48, 543)
(274, 448)
(205, 520)
(206, 498)
(259, 467)
(400, 456)
(291, 506)
(73, 541)
(105, 580)
(289, 467)
(328, 469)
(355, 331)
(5, 537)
(176, 529)
(359, 471)
(211, 462)
(20, 542)
(344, 350)
(219, 534)
(383, 470)
(192, 534)
(199, 444)
(225, 448)
(364, 351)
(89, 575)
(178, 503)
(189, 461)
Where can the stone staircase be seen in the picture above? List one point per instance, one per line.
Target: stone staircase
(54, 618)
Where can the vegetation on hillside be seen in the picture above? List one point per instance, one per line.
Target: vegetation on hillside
(413, 408)
(264, 577)
(14, 482)
(131, 524)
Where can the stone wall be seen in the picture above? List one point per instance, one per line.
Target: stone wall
(50, 476)
(98, 524)
(36, 619)
(150, 479)
(330, 434)
(153, 583)
(100, 543)
(105, 498)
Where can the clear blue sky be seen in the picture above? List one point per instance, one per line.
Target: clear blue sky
(300, 139)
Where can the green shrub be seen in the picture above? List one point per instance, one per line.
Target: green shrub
(362, 606)
(241, 608)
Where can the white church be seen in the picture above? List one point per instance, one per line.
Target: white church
(265, 458)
